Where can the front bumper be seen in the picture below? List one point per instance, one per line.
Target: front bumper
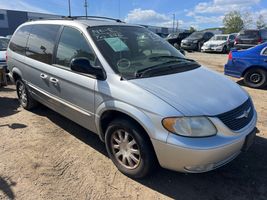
(212, 49)
(189, 46)
(196, 155)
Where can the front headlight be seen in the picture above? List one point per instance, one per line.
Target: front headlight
(190, 126)
(195, 41)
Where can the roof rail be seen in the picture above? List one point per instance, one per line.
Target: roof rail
(96, 17)
(78, 17)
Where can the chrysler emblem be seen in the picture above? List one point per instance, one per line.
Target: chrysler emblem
(245, 114)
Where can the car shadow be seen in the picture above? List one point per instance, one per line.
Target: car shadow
(5, 187)
(74, 129)
(242, 83)
(8, 106)
(243, 178)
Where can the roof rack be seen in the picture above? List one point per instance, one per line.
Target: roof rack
(78, 17)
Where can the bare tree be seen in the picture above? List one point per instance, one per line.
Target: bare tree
(261, 22)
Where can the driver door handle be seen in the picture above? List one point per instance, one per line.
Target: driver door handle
(43, 76)
(54, 80)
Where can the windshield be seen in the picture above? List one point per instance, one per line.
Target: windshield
(219, 37)
(196, 35)
(130, 50)
(3, 44)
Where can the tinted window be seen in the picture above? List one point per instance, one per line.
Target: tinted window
(232, 37)
(72, 44)
(19, 40)
(265, 52)
(3, 44)
(41, 42)
(249, 34)
(264, 34)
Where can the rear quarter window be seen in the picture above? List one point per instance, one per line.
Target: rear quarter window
(41, 42)
(19, 40)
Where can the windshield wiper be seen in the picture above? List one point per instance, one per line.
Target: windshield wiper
(155, 58)
(159, 69)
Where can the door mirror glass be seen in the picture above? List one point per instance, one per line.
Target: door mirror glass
(83, 65)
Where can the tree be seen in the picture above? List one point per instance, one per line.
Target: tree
(233, 22)
(192, 29)
(260, 22)
(248, 20)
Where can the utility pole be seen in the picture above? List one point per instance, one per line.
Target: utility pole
(173, 22)
(69, 9)
(85, 6)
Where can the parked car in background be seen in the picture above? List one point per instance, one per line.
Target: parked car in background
(9, 36)
(196, 40)
(144, 99)
(250, 38)
(3, 47)
(250, 64)
(175, 39)
(219, 43)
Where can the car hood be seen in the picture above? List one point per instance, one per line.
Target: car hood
(2, 55)
(196, 92)
(215, 42)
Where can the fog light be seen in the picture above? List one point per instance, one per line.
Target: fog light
(199, 168)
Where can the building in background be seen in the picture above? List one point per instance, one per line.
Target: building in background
(11, 19)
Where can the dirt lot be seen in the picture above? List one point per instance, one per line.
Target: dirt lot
(46, 156)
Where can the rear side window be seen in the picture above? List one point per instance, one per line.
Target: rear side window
(19, 40)
(41, 42)
(72, 44)
(265, 52)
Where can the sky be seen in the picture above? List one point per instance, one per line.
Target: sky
(200, 14)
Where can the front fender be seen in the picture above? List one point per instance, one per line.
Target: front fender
(151, 122)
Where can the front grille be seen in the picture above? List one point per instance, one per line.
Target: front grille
(233, 119)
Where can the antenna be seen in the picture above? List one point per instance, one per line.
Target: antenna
(85, 6)
(69, 8)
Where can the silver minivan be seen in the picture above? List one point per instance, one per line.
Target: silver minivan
(145, 100)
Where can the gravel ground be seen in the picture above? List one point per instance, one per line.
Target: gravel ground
(46, 156)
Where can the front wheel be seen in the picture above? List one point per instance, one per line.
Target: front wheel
(129, 148)
(256, 78)
(25, 99)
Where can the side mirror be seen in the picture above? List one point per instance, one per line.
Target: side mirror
(83, 65)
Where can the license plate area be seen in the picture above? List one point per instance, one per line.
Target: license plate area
(249, 140)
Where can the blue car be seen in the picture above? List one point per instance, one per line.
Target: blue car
(250, 64)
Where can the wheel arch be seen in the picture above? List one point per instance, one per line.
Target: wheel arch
(110, 110)
(253, 67)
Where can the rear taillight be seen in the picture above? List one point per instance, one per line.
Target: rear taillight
(230, 56)
(236, 40)
(260, 40)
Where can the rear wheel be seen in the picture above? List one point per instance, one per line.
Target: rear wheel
(25, 99)
(256, 78)
(129, 148)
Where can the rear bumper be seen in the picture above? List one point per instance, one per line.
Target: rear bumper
(230, 70)
(189, 46)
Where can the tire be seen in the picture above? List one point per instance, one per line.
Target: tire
(24, 97)
(177, 46)
(256, 78)
(199, 47)
(137, 145)
(224, 50)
